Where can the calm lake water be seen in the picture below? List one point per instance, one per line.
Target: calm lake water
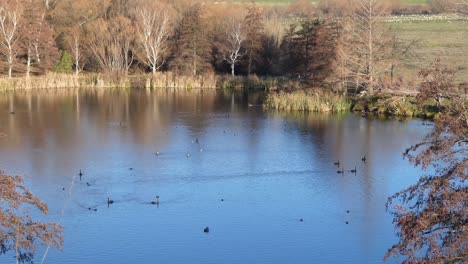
(250, 177)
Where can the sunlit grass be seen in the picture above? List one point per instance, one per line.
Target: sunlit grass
(308, 101)
(444, 38)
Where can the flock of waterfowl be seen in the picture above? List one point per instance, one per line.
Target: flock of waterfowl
(342, 171)
(154, 202)
(207, 229)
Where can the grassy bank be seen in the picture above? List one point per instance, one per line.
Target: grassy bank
(254, 82)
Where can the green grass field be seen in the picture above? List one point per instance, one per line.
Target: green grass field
(446, 39)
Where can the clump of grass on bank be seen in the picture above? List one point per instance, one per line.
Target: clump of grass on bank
(256, 83)
(400, 106)
(171, 80)
(308, 100)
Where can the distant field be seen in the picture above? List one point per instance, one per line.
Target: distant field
(439, 38)
(289, 1)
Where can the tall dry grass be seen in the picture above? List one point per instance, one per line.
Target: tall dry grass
(58, 80)
(309, 101)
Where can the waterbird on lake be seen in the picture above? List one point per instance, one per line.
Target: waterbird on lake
(157, 153)
(80, 174)
(353, 171)
(340, 171)
(63, 189)
(337, 163)
(87, 184)
(188, 155)
(109, 201)
(301, 220)
(206, 230)
(347, 211)
(130, 168)
(364, 158)
(347, 222)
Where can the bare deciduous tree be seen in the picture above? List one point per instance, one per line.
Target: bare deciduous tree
(235, 38)
(111, 43)
(9, 24)
(76, 50)
(367, 44)
(153, 29)
(70, 18)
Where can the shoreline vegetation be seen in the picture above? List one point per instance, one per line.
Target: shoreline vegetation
(281, 93)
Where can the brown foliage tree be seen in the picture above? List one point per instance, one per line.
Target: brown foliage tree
(191, 49)
(37, 38)
(253, 28)
(431, 216)
(18, 231)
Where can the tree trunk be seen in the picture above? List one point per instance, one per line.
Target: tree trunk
(10, 69)
(28, 66)
(194, 63)
(232, 69)
(370, 85)
(249, 65)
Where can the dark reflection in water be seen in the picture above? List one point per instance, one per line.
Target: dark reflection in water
(250, 175)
